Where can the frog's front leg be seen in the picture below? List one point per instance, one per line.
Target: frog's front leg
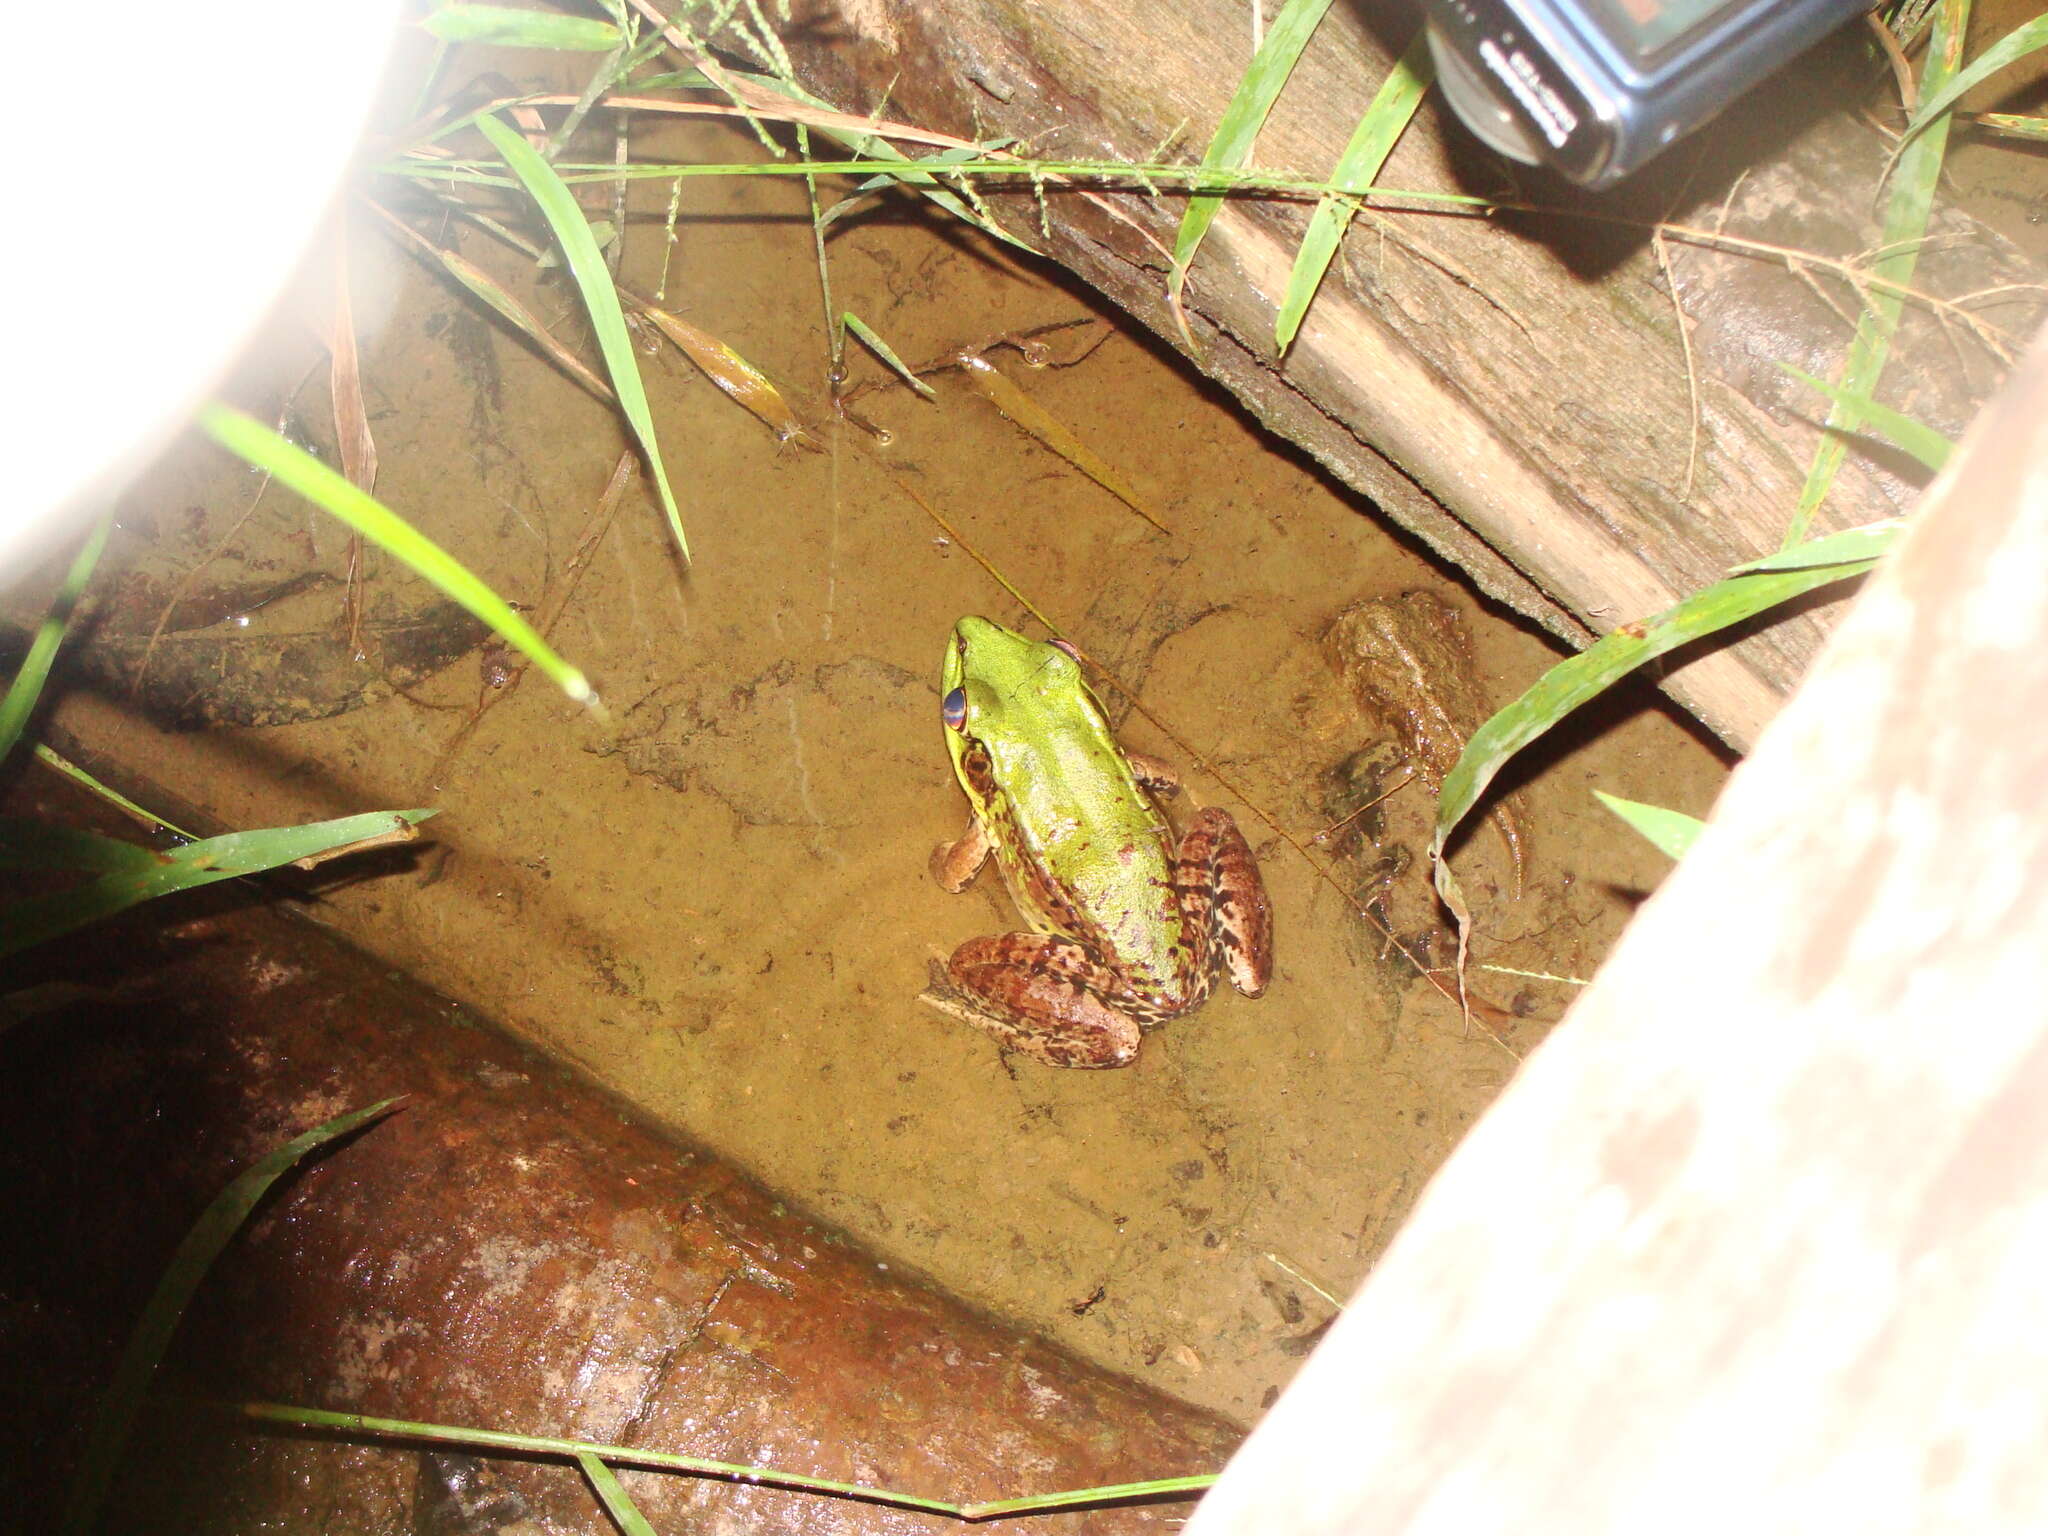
(954, 865)
(1046, 996)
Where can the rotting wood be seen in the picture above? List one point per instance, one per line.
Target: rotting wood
(1513, 391)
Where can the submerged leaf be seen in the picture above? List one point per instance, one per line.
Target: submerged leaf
(1041, 424)
(729, 371)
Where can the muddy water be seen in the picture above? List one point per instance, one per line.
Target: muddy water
(716, 900)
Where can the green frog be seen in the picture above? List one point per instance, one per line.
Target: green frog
(1130, 928)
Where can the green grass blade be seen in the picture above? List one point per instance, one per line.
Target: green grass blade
(107, 793)
(455, 22)
(1926, 446)
(1671, 833)
(1239, 127)
(892, 161)
(612, 1494)
(1159, 1487)
(295, 468)
(1905, 226)
(27, 686)
(124, 883)
(1371, 142)
(2008, 50)
(886, 353)
(1580, 678)
(600, 299)
(26, 843)
(584, 1452)
(2013, 124)
(549, 1445)
(202, 1245)
(1871, 541)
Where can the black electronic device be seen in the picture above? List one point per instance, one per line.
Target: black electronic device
(1593, 88)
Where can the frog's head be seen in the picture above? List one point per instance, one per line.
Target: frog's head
(1008, 692)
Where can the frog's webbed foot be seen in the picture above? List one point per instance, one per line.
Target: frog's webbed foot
(1045, 996)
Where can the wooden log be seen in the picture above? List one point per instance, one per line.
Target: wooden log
(1758, 1239)
(511, 1250)
(1512, 391)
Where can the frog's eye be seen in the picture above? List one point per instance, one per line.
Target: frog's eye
(1068, 647)
(953, 710)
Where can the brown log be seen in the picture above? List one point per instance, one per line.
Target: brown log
(1512, 391)
(1758, 1239)
(511, 1250)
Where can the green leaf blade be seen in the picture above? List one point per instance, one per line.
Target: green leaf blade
(1670, 832)
(125, 882)
(1238, 129)
(298, 470)
(1583, 677)
(1392, 109)
(600, 299)
(216, 1225)
(454, 21)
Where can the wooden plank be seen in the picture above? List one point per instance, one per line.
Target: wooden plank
(1758, 1239)
(1512, 391)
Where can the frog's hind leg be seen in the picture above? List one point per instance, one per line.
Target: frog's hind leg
(1044, 995)
(1220, 889)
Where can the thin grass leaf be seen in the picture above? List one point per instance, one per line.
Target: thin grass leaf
(1671, 833)
(549, 1445)
(669, 1461)
(2009, 49)
(1035, 419)
(1371, 142)
(217, 1224)
(1927, 446)
(126, 880)
(612, 1494)
(1871, 541)
(600, 298)
(906, 169)
(27, 686)
(1158, 1487)
(297, 469)
(1583, 677)
(886, 353)
(1918, 170)
(1238, 129)
(2013, 124)
(455, 22)
(113, 797)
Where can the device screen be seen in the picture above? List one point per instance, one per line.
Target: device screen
(1643, 29)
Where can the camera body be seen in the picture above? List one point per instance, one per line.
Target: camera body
(1593, 88)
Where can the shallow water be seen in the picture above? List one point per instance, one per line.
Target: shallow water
(717, 902)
